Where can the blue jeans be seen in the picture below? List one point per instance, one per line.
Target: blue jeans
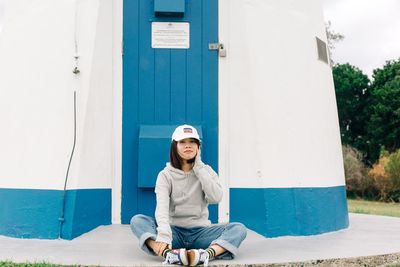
(229, 236)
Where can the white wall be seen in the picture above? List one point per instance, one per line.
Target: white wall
(36, 94)
(278, 117)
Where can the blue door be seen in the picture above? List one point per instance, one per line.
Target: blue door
(163, 88)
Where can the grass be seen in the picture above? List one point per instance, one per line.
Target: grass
(374, 207)
(40, 264)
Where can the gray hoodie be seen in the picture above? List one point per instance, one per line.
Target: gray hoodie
(183, 198)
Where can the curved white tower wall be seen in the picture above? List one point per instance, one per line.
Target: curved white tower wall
(280, 149)
(37, 50)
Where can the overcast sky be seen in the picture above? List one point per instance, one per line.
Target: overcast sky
(371, 29)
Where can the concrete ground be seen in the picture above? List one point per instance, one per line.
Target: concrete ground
(115, 245)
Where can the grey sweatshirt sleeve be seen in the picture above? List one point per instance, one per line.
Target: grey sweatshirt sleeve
(209, 182)
(163, 191)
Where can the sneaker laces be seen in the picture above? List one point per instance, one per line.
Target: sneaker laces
(204, 257)
(171, 258)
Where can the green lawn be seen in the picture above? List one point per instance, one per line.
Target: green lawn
(11, 264)
(42, 264)
(373, 207)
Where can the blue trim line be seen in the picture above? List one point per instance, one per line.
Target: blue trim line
(34, 213)
(85, 210)
(275, 212)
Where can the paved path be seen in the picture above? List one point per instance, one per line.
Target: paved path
(115, 245)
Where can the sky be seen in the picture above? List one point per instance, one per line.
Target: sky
(371, 29)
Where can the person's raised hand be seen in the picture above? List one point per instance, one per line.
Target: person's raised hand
(197, 161)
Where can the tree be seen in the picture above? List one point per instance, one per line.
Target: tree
(351, 87)
(369, 113)
(389, 72)
(332, 37)
(384, 109)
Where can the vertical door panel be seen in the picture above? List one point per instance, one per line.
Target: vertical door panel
(166, 87)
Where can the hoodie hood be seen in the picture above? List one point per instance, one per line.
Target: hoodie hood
(176, 173)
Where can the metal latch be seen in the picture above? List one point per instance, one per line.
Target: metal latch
(218, 46)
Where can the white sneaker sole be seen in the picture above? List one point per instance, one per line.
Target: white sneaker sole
(183, 256)
(193, 256)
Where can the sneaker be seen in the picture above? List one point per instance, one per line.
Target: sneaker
(198, 257)
(176, 256)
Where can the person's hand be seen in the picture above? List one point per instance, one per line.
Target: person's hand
(197, 160)
(159, 248)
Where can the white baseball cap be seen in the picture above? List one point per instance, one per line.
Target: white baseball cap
(185, 131)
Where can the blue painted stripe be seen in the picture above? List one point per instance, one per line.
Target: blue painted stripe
(28, 213)
(34, 213)
(275, 212)
(85, 210)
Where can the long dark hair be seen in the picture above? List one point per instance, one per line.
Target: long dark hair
(174, 158)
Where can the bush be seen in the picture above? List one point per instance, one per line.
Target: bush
(386, 174)
(358, 183)
(380, 176)
(381, 182)
(392, 169)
